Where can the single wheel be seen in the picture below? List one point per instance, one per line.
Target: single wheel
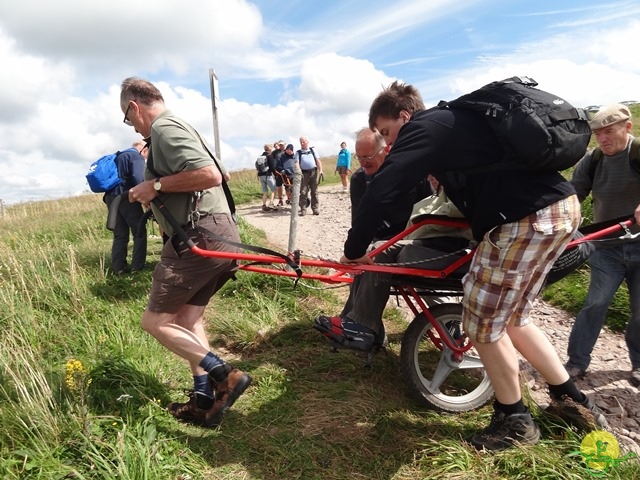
(433, 375)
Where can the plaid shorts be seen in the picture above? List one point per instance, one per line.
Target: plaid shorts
(510, 266)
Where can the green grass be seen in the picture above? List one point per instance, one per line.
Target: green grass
(83, 388)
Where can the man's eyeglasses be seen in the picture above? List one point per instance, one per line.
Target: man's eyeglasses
(126, 121)
(370, 157)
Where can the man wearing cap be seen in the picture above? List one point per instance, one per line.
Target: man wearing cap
(615, 191)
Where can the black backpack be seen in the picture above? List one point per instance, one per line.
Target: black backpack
(538, 131)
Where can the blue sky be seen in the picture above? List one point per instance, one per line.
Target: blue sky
(285, 69)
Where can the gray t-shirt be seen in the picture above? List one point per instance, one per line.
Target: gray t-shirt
(615, 189)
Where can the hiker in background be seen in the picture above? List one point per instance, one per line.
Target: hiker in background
(179, 165)
(141, 146)
(284, 170)
(311, 166)
(128, 215)
(278, 151)
(522, 220)
(343, 165)
(612, 175)
(266, 172)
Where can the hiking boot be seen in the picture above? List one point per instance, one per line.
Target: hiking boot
(505, 431)
(634, 378)
(584, 416)
(189, 411)
(265, 208)
(347, 333)
(316, 212)
(303, 212)
(227, 392)
(575, 372)
(273, 207)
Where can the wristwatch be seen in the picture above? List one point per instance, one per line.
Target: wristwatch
(157, 186)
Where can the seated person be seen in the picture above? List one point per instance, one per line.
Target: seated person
(359, 325)
(370, 151)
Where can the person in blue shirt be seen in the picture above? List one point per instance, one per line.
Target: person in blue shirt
(343, 165)
(128, 216)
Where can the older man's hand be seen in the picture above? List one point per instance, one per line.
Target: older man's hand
(367, 260)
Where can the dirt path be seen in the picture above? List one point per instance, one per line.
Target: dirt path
(607, 381)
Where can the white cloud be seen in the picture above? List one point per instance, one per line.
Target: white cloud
(584, 67)
(62, 68)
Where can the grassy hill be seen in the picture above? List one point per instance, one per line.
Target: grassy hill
(83, 388)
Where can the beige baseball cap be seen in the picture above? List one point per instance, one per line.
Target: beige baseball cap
(609, 115)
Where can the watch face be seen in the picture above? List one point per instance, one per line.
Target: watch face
(157, 185)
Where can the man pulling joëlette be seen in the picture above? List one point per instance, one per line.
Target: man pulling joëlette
(179, 165)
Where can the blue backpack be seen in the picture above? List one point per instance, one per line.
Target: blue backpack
(103, 174)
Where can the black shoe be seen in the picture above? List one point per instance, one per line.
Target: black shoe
(346, 333)
(505, 431)
(585, 416)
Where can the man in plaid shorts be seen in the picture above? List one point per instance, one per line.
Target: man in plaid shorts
(522, 221)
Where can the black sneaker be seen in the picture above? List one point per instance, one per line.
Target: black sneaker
(584, 416)
(505, 431)
(346, 333)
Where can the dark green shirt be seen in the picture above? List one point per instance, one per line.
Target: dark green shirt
(176, 147)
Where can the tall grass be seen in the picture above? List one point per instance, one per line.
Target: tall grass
(83, 388)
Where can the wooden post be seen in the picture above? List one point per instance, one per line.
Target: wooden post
(2, 210)
(295, 197)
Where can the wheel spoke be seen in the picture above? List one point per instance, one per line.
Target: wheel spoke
(442, 371)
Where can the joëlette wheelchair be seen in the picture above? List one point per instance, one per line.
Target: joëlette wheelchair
(437, 360)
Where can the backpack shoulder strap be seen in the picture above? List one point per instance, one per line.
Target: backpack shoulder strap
(315, 159)
(634, 155)
(596, 156)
